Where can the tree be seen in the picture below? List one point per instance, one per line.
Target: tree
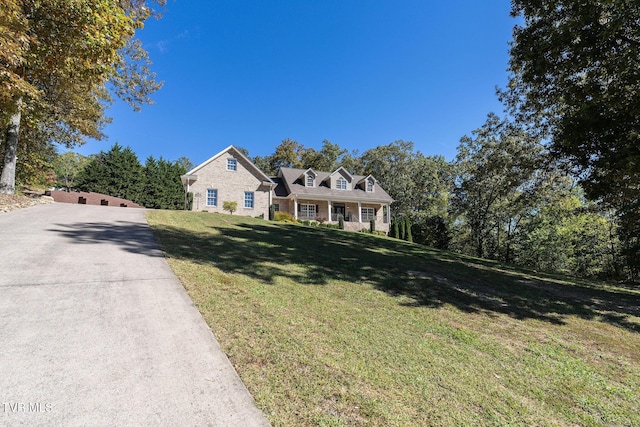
(230, 206)
(418, 184)
(67, 167)
(57, 60)
(407, 226)
(327, 159)
(495, 183)
(117, 173)
(163, 188)
(575, 79)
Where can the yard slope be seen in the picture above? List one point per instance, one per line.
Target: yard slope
(334, 328)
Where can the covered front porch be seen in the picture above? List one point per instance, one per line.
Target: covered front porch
(356, 215)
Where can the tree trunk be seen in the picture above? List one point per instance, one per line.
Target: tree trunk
(8, 178)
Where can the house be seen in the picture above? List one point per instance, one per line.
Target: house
(303, 193)
(230, 176)
(312, 195)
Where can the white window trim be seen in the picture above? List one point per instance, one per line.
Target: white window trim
(233, 162)
(216, 197)
(339, 180)
(307, 207)
(310, 178)
(367, 188)
(253, 199)
(366, 216)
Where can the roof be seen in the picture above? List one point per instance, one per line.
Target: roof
(288, 183)
(236, 153)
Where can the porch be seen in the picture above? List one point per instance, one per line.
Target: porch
(356, 215)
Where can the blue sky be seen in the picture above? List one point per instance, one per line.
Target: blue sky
(358, 73)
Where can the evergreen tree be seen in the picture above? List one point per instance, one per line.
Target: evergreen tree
(407, 227)
(117, 173)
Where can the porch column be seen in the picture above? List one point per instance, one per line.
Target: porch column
(329, 210)
(359, 211)
(295, 207)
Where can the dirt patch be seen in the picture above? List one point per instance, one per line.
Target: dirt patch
(11, 202)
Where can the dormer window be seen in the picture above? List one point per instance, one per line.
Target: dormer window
(232, 165)
(310, 180)
(341, 183)
(369, 186)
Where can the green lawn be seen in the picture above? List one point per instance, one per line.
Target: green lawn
(333, 328)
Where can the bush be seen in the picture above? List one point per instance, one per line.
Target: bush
(340, 222)
(230, 206)
(284, 216)
(372, 225)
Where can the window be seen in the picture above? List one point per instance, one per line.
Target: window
(232, 164)
(341, 183)
(276, 207)
(212, 197)
(309, 180)
(368, 214)
(369, 186)
(248, 199)
(307, 211)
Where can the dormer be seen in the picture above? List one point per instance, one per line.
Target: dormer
(308, 177)
(340, 180)
(368, 184)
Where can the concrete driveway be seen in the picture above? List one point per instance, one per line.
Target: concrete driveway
(95, 329)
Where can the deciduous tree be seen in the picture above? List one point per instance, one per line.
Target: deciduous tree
(575, 79)
(57, 59)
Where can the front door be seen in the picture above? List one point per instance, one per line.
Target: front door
(338, 210)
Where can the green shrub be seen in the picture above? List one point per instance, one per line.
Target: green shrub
(272, 212)
(284, 216)
(230, 206)
(408, 229)
(372, 225)
(340, 222)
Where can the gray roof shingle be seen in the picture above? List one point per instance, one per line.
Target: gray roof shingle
(289, 182)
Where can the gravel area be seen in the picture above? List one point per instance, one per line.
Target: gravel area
(11, 202)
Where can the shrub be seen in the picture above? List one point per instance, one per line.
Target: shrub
(340, 222)
(272, 212)
(284, 216)
(372, 225)
(408, 229)
(230, 206)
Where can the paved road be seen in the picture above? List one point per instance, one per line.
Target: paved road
(95, 329)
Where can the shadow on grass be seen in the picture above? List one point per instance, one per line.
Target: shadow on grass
(421, 276)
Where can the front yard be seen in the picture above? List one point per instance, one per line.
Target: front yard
(332, 328)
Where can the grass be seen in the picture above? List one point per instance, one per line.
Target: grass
(332, 328)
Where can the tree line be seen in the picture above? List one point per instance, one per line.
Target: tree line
(118, 172)
(503, 197)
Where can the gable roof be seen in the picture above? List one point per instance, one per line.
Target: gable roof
(288, 183)
(233, 150)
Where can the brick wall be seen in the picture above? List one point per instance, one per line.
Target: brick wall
(231, 186)
(83, 198)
